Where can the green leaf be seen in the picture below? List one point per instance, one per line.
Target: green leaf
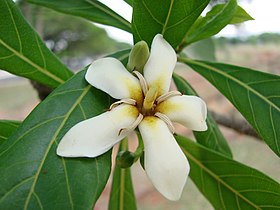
(214, 21)
(121, 56)
(7, 127)
(255, 94)
(32, 175)
(90, 9)
(212, 138)
(202, 50)
(240, 16)
(228, 184)
(172, 19)
(23, 53)
(122, 193)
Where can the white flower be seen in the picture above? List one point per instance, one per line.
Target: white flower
(144, 102)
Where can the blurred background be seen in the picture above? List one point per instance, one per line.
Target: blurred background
(254, 44)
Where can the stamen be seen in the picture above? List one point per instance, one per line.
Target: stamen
(143, 82)
(132, 126)
(168, 95)
(123, 101)
(165, 119)
(150, 98)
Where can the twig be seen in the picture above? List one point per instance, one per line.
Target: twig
(241, 126)
(42, 90)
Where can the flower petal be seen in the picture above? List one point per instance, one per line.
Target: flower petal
(190, 111)
(165, 164)
(95, 136)
(110, 76)
(159, 68)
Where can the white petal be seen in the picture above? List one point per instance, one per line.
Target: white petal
(165, 163)
(95, 136)
(190, 111)
(110, 76)
(159, 68)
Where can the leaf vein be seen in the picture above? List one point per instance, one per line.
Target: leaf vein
(217, 178)
(8, 56)
(40, 50)
(15, 26)
(151, 14)
(186, 17)
(252, 111)
(27, 60)
(29, 130)
(51, 143)
(38, 200)
(221, 195)
(67, 183)
(273, 129)
(167, 18)
(109, 13)
(259, 190)
(15, 187)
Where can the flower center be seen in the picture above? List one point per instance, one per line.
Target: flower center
(147, 107)
(149, 101)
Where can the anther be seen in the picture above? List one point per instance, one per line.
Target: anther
(143, 82)
(123, 101)
(165, 119)
(132, 126)
(168, 95)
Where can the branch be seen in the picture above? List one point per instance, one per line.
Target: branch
(239, 125)
(42, 90)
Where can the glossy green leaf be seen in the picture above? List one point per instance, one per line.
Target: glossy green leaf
(7, 127)
(202, 50)
(255, 94)
(23, 53)
(122, 193)
(32, 175)
(121, 56)
(172, 19)
(240, 16)
(212, 138)
(228, 184)
(90, 9)
(214, 21)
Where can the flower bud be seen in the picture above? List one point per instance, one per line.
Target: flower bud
(138, 57)
(125, 159)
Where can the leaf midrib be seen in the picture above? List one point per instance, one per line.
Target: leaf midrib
(217, 178)
(125, 22)
(206, 27)
(14, 24)
(167, 17)
(39, 68)
(36, 176)
(233, 79)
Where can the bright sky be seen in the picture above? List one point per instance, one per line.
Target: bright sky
(265, 12)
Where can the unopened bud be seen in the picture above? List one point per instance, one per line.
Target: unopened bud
(138, 57)
(125, 159)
